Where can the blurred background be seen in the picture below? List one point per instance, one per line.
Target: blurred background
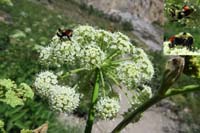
(27, 25)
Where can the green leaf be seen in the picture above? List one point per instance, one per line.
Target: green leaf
(19, 115)
(20, 124)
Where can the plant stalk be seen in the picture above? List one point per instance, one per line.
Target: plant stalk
(91, 114)
(174, 68)
(185, 89)
(138, 111)
(152, 101)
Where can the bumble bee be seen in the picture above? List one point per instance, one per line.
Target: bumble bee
(64, 33)
(178, 13)
(182, 39)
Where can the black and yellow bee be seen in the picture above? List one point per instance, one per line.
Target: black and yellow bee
(62, 33)
(181, 39)
(178, 13)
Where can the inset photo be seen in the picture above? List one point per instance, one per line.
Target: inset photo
(182, 29)
(181, 44)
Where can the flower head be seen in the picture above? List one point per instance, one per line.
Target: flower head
(64, 98)
(110, 54)
(84, 35)
(141, 96)
(104, 38)
(59, 52)
(46, 56)
(145, 94)
(107, 108)
(43, 83)
(91, 56)
(66, 52)
(136, 71)
(121, 42)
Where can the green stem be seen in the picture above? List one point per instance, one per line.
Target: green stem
(185, 89)
(111, 56)
(157, 98)
(174, 68)
(103, 83)
(91, 114)
(133, 114)
(72, 72)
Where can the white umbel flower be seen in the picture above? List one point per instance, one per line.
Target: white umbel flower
(104, 38)
(91, 56)
(145, 64)
(121, 42)
(141, 96)
(135, 72)
(64, 98)
(46, 55)
(107, 108)
(65, 52)
(84, 34)
(43, 83)
(145, 94)
(129, 73)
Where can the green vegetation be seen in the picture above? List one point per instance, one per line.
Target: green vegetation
(27, 27)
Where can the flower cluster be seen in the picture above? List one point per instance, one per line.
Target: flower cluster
(178, 50)
(66, 52)
(136, 71)
(46, 55)
(61, 98)
(128, 73)
(43, 82)
(87, 42)
(107, 108)
(59, 52)
(92, 56)
(92, 51)
(141, 96)
(145, 94)
(64, 98)
(121, 43)
(84, 35)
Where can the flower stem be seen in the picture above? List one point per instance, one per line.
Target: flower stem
(91, 114)
(72, 72)
(133, 114)
(185, 89)
(157, 98)
(103, 83)
(174, 68)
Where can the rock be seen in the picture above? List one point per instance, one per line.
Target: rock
(141, 13)
(148, 10)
